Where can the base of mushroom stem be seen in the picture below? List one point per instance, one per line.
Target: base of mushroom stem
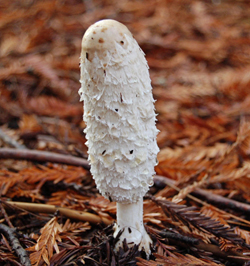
(130, 221)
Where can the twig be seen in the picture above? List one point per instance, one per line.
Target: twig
(13, 216)
(69, 213)
(22, 254)
(184, 240)
(169, 182)
(220, 200)
(208, 196)
(179, 237)
(5, 215)
(42, 156)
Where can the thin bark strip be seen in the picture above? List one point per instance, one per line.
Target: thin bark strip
(42, 156)
(22, 254)
(72, 214)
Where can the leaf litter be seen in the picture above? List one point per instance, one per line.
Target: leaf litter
(197, 212)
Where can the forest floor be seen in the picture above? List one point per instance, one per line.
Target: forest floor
(198, 211)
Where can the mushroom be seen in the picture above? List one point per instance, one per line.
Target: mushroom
(120, 123)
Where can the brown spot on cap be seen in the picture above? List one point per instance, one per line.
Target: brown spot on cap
(108, 33)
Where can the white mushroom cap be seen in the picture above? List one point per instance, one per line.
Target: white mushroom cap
(118, 111)
(98, 37)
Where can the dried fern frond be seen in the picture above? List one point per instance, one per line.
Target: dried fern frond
(153, 214)
(192, 219)
(28, 182)
(43, 250)
(232, 173)
(216, 214)
(72, 228)
(235, 83)
(189, 189)
(175, 259)
(9, 179)
(243, 233)
(243, 137)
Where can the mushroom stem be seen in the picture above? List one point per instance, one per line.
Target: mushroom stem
(130, 221)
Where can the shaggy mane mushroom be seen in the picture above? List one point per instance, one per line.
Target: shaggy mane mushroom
(120, 123)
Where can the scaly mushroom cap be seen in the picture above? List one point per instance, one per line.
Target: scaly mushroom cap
(118, 111)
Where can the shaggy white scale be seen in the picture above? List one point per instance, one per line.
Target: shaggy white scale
(120, 122)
